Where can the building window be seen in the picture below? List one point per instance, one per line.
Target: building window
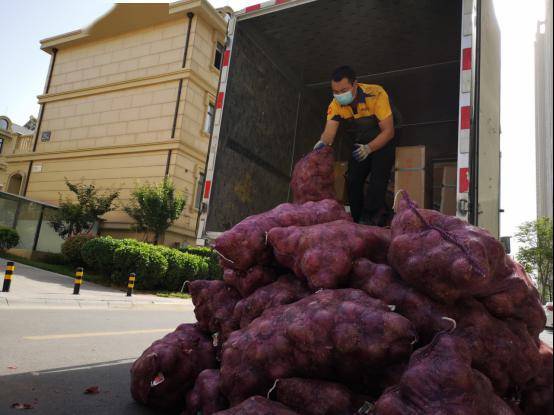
(209, 119)
(1, 144)
(218, 59)
(14, 184)
(199, 190)
(3, 124)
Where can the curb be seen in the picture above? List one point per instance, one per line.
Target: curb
(42, 303)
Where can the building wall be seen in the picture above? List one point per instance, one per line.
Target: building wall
(110, 111)
(129, 116)
(543, 113)
(150, 51)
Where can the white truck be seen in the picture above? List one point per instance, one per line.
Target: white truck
(439, 60)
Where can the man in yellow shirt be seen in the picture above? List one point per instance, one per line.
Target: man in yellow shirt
(366, 112)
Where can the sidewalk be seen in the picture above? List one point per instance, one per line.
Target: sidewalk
(36, 288)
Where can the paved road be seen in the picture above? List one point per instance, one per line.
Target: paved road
(49, 357)
(37, 288)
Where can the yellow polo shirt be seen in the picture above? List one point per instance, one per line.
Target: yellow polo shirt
(371, 100)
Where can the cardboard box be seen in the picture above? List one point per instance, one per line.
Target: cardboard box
(448, 191)
(449, 175)
(341, 167)
(412, 182)
(444, 187)
(448, 201)
(410, 157)
(409, 172)
(438, 169)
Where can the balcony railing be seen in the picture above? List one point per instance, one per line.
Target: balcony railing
(22, 145)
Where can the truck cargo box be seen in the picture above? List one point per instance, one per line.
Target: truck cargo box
(275, 90)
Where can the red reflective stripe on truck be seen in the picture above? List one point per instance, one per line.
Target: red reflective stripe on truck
(252, 8)
(280, 1)
(219, 102)
(465, 121)
(466, 59)
(226, 58)
(207, 188)
(464, 180)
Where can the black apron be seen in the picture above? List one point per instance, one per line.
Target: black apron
(362, 130)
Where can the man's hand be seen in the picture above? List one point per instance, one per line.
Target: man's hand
(361, 152)
(319, 144)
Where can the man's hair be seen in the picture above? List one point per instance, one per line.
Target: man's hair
(344, 72)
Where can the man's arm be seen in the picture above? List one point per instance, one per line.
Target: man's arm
(330, 132)
(387, 134)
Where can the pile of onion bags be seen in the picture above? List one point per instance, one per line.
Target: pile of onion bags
(443, 256)
(380, 281)
(166, 370)
(287, 289)
(214, 302)
(538, 394)
(316, 397)
(313, 177)
(333, 334)
(246, 282)
(246, 245)
(205, 397)
(440, 381)
(323, 254)
(256, 405)
(516, 297)
(496, 345)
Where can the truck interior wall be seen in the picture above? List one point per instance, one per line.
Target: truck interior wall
(279, 89)
(258, 132)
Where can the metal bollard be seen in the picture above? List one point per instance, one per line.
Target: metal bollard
(78, 280)
(10, 268)
(131, 284)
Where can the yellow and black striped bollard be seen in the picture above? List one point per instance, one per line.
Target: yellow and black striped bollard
(10, 268)
(131, 284)
(78, 280)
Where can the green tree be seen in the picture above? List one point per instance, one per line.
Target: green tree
(9, 238)
(155, 207)
(78, 216)
(536, 253)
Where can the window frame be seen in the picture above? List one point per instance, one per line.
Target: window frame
(7, 128)
(221, 52)
(198, 194)
(209, 104)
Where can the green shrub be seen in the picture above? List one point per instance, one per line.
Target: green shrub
(98, 254)
(71, 249)
(181, 267)
(145, 260)
(211, 270)
(52, 258)
(9, 238)
(202, 251)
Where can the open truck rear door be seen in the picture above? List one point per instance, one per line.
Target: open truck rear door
(479, 126)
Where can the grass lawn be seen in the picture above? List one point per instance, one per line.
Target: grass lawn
(69, 270)
(172, 295)
(58, 268)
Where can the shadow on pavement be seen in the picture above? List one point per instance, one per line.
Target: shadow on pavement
(65, 281)
(61, 391)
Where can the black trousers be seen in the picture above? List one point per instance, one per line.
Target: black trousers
(378, 167)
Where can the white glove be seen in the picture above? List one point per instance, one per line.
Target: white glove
(319, 144)
(361, 152)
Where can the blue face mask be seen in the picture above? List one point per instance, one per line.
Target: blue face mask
(345, 98)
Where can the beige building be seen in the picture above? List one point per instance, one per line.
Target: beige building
(14, 138)
(128, 99)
